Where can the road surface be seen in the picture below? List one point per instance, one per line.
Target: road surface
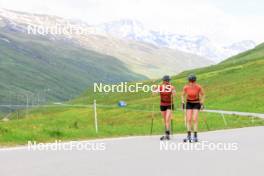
(248, 114)
(136, 156)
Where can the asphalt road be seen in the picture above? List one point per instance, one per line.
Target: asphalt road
(135, 156)
(248, 114)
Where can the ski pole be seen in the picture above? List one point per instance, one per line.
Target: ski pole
(152, 119)
(171, 127)
(205, 121)
(184, 114)
(172, 115)
(152, 114)
(151, 127)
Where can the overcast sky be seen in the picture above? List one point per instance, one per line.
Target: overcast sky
(223, 21)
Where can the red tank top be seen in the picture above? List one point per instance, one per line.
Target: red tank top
(192, 92)
(166, 97)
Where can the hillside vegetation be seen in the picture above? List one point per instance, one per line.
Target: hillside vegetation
(32, 64)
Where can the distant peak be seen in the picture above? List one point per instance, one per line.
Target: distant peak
(126, 21)
(242, 44)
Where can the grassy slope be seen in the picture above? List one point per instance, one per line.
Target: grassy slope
(236, 84)
(31, 63)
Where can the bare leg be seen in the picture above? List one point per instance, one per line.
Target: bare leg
(163, 113)
(195, 125)
(195, 119)
(168, 119)
(189, 114)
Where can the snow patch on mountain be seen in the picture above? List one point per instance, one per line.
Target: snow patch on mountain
(199, 45)
(5, 40)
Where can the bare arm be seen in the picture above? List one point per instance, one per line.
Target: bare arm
(202, 95)
(183, 95)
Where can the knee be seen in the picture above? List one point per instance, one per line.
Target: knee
(195, 120)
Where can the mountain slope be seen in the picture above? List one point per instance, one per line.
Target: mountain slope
(140, 57)
(33, 64)
(252, 55)
(237, 83)
(144, 58)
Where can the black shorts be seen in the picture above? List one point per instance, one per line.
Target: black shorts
(190, 105)
(164, 108)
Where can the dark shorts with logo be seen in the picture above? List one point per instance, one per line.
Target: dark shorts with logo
(164, 108)
(191, 105)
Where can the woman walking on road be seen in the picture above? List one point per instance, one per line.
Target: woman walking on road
(194, 95)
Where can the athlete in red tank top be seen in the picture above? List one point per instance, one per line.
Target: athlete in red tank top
(194, 95)
(166, 91)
